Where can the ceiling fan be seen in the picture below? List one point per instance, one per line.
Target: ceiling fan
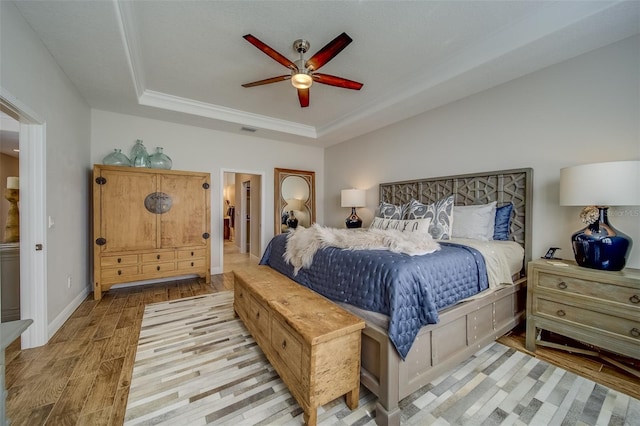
(304, 73)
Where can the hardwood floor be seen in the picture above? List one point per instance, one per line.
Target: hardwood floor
(82, 376)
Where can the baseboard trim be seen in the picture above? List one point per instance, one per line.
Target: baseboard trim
(66, 313)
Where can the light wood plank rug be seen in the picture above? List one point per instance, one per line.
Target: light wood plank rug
(197, 364)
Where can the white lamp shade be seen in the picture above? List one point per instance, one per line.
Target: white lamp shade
(353, 198)
(294, 204)
(614, 183)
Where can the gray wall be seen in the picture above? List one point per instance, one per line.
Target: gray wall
(31, 76)
(584, 110)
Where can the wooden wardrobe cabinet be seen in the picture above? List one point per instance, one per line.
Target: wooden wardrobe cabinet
(149, 224)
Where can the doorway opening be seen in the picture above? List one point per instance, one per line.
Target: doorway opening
(32, 219)
(242, 219)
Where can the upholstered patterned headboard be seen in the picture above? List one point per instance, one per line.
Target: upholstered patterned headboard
(502, 186)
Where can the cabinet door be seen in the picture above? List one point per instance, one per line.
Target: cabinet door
(187, 222)
(125, 223)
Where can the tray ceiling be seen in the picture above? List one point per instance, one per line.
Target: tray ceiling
(185, 61)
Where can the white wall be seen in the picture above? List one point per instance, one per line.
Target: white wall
(584, 110)
(205, 150)
(30, 74)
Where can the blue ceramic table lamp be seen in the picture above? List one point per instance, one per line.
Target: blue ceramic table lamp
(597, 187)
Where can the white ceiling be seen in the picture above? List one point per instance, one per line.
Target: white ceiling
(185, 61)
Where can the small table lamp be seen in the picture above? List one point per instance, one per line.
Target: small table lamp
(600, 185)
(353, 198)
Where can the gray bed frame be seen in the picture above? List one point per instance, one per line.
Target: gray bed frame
(466, 327)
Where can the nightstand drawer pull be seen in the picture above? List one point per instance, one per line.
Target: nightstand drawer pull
(634, 299)
(284, 344)
(562, 285)
(635, 332)
(561, 313)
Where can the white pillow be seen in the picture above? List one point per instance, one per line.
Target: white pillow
(476, 222)
(404, 225)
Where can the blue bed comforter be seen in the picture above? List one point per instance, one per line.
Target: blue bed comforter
(408, 289)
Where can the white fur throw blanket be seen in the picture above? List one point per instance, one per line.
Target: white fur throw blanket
(303, 243)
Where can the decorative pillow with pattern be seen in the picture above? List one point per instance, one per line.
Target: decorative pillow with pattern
(389, 211)
(404, 225)
(440, 213)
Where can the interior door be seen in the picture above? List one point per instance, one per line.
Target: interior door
(125, 223)
(186, 223)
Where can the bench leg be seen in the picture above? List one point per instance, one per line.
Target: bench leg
(353, 398)
(311, 417)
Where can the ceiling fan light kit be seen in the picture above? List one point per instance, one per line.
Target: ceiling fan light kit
(303, 73)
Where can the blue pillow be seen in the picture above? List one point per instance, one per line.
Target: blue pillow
(503, 222)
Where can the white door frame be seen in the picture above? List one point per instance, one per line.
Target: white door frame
(244, 233)
(33, 261)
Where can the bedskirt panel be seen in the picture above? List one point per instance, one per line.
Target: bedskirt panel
(462, 331)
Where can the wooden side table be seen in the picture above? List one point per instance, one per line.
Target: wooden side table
(600, 308)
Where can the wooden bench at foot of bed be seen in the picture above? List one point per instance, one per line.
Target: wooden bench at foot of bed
(313, 344)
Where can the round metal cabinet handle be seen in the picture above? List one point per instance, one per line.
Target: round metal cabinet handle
(635, 332)
(562, 285)
(284, 344)
(634, 299)
(561, 313)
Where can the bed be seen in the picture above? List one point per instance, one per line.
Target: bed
(393, 368)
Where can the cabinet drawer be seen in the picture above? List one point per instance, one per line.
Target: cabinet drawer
(191, 253)
(186, 265)
(111, 274)
(604, 291)
(158, 268)
(571, 314)
(259, 316)
(128, 259)
(158, 257)
(287, 346)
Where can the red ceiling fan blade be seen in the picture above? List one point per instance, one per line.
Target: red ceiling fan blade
(332, 80)
(303, 96)
(268, 80)
(327, 53)
(270, 52)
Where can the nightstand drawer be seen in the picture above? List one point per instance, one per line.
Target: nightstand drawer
(582, 287)
(576, 315)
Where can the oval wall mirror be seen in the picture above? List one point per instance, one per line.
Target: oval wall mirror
(294, 203)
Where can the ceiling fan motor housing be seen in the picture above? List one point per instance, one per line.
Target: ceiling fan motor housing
(301, 46)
